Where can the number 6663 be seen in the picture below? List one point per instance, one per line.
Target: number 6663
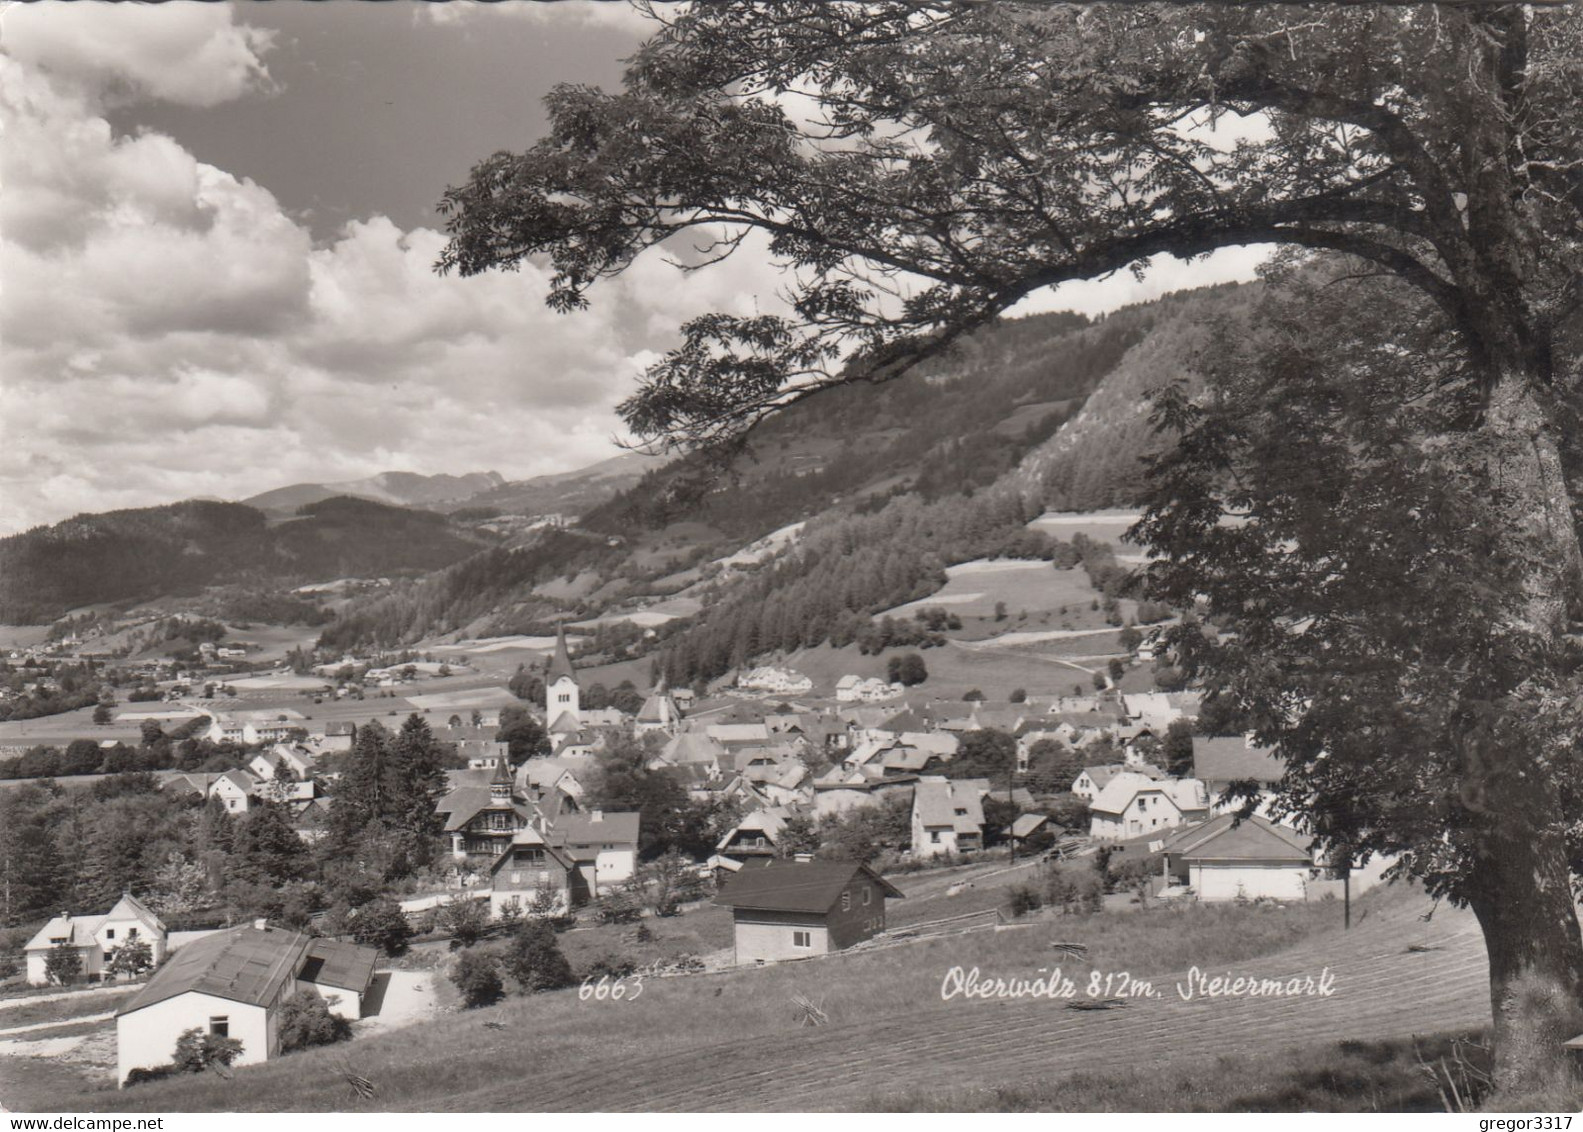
(612, 989)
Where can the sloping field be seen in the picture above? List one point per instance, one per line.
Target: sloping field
(891, 1032)
(1380, 991)
(1024, 585)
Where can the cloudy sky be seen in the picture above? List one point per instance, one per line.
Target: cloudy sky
(217, 240)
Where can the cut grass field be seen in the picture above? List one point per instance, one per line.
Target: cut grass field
(888, 1021)
(1345, 1076)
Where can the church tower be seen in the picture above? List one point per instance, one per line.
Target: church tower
(560, 685)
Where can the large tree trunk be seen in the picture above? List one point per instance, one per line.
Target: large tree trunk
(1520, 888)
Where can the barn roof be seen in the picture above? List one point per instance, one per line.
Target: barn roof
(332, 963)
(1234, 759)
(245, 965)
(796, 886)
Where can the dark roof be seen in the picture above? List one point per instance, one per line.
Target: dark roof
(615, 827)
(1233, 760)
(562, 664)
(1251, 839)
(796, 886)
(242, 964)
(332, 963)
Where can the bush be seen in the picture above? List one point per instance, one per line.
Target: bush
(1025, 898)
(476, 976)
(615, 965)
(381, 923)
(465, 921)
(141, 1076)
(305, 1020)
(536, 961)
(196, 1051)
(1074, 890)
(619, 908)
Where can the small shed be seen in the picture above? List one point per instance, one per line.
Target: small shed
(797, 909)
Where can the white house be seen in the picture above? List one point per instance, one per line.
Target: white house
(1093, 779)
(783, 681)
(232, 984)
(947, 817)
(96, 938)
(255, 726)
(603, 843)
(236, 790)
(1133, 804)
(659, 712)
(872, 690)
(1224, 859)
(1220, 761)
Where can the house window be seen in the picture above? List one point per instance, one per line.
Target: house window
(220, 1026)
(846, 902)
(868, 895)
(934, 836)
(109, 933)
(802, 939)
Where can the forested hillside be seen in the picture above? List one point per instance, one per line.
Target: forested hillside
(180, 548)
(905, 478)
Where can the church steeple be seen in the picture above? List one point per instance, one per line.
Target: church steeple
(561, 694)
(562, 664)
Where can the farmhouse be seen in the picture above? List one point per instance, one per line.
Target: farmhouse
(96, 938)
(232, 984)
(947, 817)
(1133, 804)
(1224, 859)
(603, 843)
(532, 869)
(796, 909)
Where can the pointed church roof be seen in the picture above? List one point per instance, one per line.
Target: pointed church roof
(562, 664)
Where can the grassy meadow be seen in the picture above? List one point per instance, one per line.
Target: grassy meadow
(555, 1032)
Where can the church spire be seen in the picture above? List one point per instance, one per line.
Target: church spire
(562, 664)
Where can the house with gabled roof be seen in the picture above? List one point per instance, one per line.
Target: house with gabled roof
(1093, 779)
(659, 711)
(531, 868)
(1133, 804)
(798, 909)
(480, 821)
(232, 984)
(236, 789)
(756, 836)
(1230, 859)
(96, 938)
(1219, 761)
(947, 817)
(602, 843)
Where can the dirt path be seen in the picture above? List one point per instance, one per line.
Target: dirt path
(1381, 991)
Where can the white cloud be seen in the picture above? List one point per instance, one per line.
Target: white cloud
(187, 53)
(617, 14)
(171, 332)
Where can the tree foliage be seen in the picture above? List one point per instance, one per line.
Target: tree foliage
(948, 160)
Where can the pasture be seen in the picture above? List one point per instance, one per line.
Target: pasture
(890, 1022)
